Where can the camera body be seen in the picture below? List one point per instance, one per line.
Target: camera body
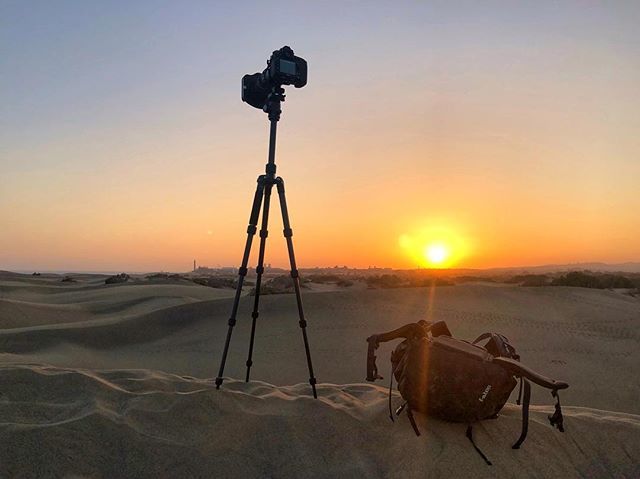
(283, 68)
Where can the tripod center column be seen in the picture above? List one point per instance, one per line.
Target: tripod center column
(273, 109)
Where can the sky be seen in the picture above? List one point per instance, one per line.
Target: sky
(487, 134)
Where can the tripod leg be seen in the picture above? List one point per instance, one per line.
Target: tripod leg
(288, 233)
(259, 270)
(242, 271)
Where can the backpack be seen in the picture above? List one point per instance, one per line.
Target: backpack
(457, 380)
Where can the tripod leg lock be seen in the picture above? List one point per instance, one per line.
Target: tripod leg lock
(288, 232)
(313, 381)
(294, 273)
(259, 269)
(255, 315)
(242, 271)
(232, 322)
(302, 323)
(251, 229)
(264, 233)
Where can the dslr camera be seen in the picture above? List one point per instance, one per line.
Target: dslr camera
(283, 68)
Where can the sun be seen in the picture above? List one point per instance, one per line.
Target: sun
(436, 253)
(435, 246)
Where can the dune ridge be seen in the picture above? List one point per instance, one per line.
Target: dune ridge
(589, 338)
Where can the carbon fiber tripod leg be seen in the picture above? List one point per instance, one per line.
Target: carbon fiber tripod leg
(242, 271)
(259, 269)
(288, 233)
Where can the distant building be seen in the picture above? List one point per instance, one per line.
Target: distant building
(213, 271)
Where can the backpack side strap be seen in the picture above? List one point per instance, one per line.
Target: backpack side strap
(518, 369)
(469, 435)
(525, 414)
(412, 420)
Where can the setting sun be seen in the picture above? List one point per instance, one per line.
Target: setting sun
(436, 253)
(435, 247)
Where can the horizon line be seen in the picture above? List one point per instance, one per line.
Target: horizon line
(492, 268)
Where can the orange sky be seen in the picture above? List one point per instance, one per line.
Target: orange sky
(520, 143)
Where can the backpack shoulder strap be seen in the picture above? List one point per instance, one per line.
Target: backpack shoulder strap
(519, 369)
(411, 330)
(524, 373)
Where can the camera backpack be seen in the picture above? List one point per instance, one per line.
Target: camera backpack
(457, 380)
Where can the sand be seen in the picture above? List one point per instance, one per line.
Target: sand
(116, 381)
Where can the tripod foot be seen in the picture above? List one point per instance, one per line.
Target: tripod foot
(218, 382)
(249, 364)
(313, 381)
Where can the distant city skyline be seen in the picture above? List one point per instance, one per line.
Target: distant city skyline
(453, 134)
(628, 267)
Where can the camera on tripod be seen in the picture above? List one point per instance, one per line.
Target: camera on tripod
(264, 90)
(283, 68)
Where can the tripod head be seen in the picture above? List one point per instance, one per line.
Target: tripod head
(272, 105)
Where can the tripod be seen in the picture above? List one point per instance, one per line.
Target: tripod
(263, 198)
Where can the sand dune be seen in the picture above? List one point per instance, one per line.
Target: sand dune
(27, 301)
(587, 337)
(133, 423)
(100, 381)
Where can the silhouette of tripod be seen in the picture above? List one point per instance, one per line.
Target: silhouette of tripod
(263, 198)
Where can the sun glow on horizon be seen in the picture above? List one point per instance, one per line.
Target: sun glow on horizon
(435, 247)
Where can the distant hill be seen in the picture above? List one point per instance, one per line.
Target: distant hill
(631, 267)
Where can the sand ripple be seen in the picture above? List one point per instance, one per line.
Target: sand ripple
(57, 422)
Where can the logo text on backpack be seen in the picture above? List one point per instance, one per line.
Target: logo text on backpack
(484, 394)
